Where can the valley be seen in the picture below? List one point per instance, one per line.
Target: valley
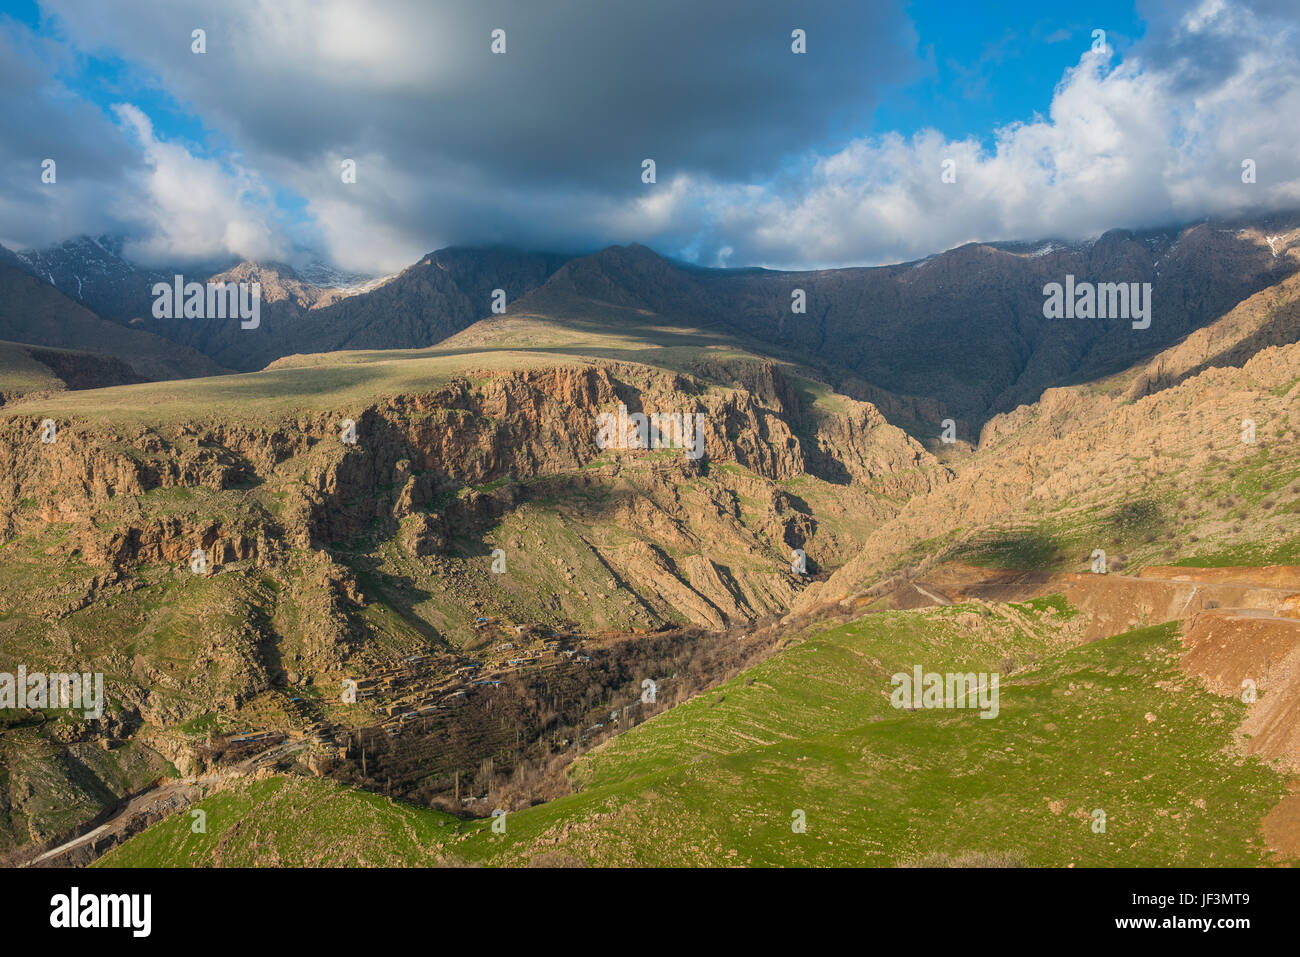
(809, 736)
(402, 588)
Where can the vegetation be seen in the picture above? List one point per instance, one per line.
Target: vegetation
(1111, 726)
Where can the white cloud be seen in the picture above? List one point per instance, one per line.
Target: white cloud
(455, 145)
(1123, 145)
(558, 125)
(359, 224)
(190, 207)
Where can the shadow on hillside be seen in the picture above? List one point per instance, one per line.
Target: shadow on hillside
(1022, 549)
(397, 592)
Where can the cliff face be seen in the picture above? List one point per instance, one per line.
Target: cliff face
(202, 561)
(301, 533)
(476, 430)
(962, 332)
(1057, 478)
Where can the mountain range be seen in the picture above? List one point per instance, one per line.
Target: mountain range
(959, 334)
(389, 483)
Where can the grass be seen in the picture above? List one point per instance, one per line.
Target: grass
(308, 823)
(61, 786)
(1057, 603)
(1112, 725)
(1064, 541)
(345, 382)
(1247, 553)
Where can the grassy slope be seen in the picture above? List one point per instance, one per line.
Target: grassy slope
(61, 790)
(293, 822)
(715, 781)
(349, 381)
(20, 373)
(175, 619)
(338, 380)
(1254, 498)
(1237, 511)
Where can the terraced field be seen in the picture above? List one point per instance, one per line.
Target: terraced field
(1112, 726)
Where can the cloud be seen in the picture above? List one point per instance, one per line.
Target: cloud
(1124, 144)
(559, 124)
(41, 121)
(189, 208)
(113, 174)
(761, 154)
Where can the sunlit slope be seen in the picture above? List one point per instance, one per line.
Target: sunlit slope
(324, 557)
(1111, 726)
(330, 380)
(1191, 458)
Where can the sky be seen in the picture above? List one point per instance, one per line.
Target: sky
(1052, 121)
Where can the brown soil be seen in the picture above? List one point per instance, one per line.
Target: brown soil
(1269, 576)
(1116, 603)
(1282, 824)
(1226, 648)
(1240, 623)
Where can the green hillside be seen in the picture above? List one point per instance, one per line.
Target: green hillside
(1111, 725)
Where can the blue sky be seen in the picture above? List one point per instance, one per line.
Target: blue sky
(984, 66)
(763, 157)
(990, 64)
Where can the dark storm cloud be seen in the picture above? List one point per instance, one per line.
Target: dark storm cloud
(584, 92)
(584, 89)
(1200, 49)
(763, 156)
(40, 121)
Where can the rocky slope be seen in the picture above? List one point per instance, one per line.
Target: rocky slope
(91, 271)
(964, 329)
(1151, 464)
(960, 334)
(440, 295)
(320, 555)
(35, 313)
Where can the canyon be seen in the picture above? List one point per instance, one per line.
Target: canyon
(395, 474)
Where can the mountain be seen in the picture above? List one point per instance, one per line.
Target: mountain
(34, 313)
(317, 309)
(324, 276)
(445, 527)
(961, 334)
(1121, 687)
(1152, 465)
(91, 271)
(1119, 690)
(94, 272)
(965, 328)
(328, 557)
(437, 297)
